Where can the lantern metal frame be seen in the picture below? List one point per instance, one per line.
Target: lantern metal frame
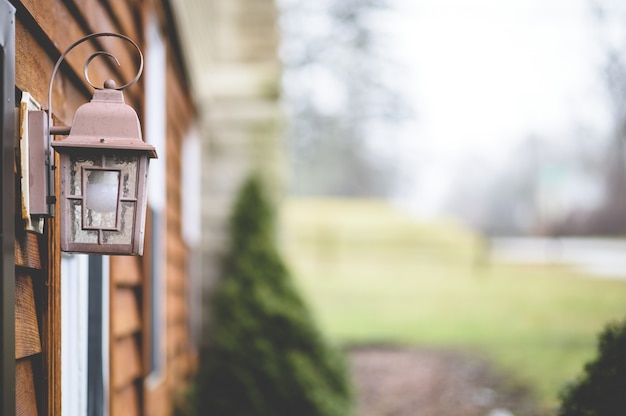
(105, 135)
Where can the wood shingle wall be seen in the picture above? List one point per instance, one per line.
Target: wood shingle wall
(126, 336)
(44, 29)
(30, 296)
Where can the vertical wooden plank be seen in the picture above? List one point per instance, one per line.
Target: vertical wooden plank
(51, 322)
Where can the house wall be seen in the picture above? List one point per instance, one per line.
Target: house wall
(43, 31)
(232, 47)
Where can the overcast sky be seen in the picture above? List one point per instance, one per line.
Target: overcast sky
(484, 74)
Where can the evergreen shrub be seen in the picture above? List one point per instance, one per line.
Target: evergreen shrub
(265, 357)
(601, 390)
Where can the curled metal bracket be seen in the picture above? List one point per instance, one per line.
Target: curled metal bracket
(49, 153)
(91, 58)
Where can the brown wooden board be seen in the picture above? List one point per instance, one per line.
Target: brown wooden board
(157, 403)
(126, 364)
(176, 309)
(51, 323)
(64, 28)
(125, 318)
(27, 338)
(27, 251)
(177, 340)
(126, 270)
(25, 397)
(126, 13)
(34, 75)
(125, 402)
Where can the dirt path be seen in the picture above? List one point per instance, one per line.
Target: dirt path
(418, 382)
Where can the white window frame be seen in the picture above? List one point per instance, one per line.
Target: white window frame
(156, 133)
(74, 333)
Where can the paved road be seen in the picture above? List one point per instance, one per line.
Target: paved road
(598, 256)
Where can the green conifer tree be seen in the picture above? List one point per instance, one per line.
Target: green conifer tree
(601, 390)
(266, 356)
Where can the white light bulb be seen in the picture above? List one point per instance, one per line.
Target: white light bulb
(102, 190)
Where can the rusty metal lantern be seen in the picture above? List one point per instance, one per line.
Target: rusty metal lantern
(103, 171)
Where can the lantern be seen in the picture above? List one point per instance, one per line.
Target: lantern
(103, 168)
(103, 174)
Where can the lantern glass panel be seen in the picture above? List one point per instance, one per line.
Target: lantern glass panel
(127, 221)
(127, 164)
(77, 233)
(102, 195)
(77, 163)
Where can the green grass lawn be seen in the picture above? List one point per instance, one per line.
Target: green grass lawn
(372, 275)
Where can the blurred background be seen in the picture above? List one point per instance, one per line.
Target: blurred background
(457, 182)
(513, 111)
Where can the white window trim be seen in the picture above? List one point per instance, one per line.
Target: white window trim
(75, 330)
(74, 320)
(156, 131)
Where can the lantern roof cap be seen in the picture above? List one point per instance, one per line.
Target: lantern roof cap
(105, 122)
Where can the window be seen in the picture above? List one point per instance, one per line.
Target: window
(84, 334)
(98, 336)
(192, 227)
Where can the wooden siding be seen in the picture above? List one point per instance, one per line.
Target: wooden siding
(179, 353)
(28, 345)
(43, 31)
(126, 333)
(27, 338)
(25, 398)
(126, 402)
